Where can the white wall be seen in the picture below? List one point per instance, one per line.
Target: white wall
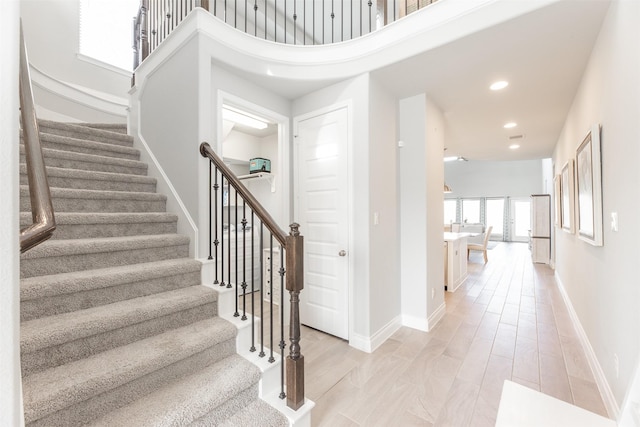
(53, 38)
(494, 179)
(383, 202)
(10, 391)
(602, 282)
(355, 91)
(421, 127)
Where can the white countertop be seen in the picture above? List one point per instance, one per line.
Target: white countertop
(450, 237)
(521, 406)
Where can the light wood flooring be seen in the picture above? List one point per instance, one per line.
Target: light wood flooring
(507, 321)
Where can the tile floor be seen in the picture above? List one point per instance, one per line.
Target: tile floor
(507, 321)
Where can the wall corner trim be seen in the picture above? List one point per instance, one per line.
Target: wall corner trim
(601, 381)
(370, 344)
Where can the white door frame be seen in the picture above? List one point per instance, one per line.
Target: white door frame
(283, 180)
(350, 264)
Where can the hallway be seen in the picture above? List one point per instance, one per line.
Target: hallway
(507, 321)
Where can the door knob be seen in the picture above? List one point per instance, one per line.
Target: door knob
(342, 253)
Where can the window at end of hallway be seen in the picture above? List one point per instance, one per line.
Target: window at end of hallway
(106, 31)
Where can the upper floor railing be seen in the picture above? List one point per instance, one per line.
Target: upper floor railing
(44, 222)
(299, 22)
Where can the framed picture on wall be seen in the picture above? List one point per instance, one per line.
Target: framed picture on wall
(557, 182)
(589, 188)
(567, 196)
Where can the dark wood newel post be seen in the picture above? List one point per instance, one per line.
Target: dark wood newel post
(144, 33)
(204, 4)
(295, 283)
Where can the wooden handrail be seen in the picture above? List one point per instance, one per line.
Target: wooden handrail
(44, 222)
(267, 219)
(293, 244)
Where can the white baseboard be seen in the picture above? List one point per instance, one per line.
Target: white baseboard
(423, 324)
(436, 316)
(370, 344)
(601, 381)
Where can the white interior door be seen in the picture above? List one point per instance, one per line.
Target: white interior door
(520, 219)
(322, 211)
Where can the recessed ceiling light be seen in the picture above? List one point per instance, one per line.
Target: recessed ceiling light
(499, 85)
(514, 146)
(510, 125)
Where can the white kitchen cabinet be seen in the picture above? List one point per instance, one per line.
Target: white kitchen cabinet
(456, 260)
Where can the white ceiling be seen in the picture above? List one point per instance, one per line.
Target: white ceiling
(541, 53)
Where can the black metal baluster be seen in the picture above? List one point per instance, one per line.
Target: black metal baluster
(215, 7)
(215, 215)
(333, 17)
(261, 354)
(360, 7)
(229, 234)
(235, 21)
(222, 229)
(295, 19)
(282, 344)
(304, 22)
(244, 261)
(245, 16)
(253, 289)
(275, 21)
(342, 20)
(313, 22)
(285, 21)
(351, 18)
(255, 18)
(265, 19)
(235, 226)
(271, 358)
(210, 216)
(370, 3)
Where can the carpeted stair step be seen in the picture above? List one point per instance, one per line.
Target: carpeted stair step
(88, 147)
(53, 294)
(112, 127)
(90, 162)
(63, 256)
(207, 397)
(85, 132)
(56, 340)
(74, 200)
(257, 413)
(83, 225)
(90, 180)
(83, 390)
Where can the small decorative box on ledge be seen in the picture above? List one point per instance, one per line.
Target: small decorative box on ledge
(259, 164)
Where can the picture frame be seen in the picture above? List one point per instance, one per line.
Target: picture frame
(557, 182)
(567, 197)
(589, 188)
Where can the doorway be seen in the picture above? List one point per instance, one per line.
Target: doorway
(321, 207)
(519, 219)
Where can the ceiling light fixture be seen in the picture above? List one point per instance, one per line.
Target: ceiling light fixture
(514, 146)
(510, 125)
(450, 158)
(499, 85)
(447, 189)
(243, 118)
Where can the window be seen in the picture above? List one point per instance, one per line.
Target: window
(494, 216)
(450, 211)
(471, 211)
(106, 31)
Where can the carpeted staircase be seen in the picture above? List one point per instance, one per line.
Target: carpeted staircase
(116, 327)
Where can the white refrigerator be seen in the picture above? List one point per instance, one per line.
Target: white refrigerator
(540, 243)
